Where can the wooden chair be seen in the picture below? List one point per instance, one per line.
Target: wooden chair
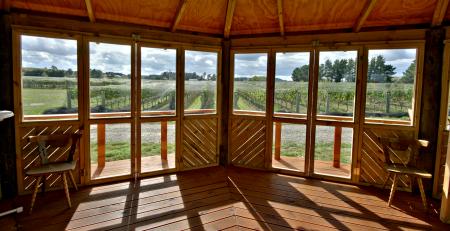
(60, 167)
(400, 159)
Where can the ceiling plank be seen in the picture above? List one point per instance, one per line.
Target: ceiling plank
(439, 12)
(280, 16)
(368, 7)
(229, 18)
(90, 10)
(180, 10)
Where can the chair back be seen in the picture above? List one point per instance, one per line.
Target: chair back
(402, 151)
(56, 141)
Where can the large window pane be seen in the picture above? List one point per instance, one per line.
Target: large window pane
(200, 82)
(291, 83)
(250, 74)
(109, 79)
(158, 84)
(337, 83)
(390, 84)
(289, 146)
(333, 151)
(49, 77)
(110, 150)
(157, 146)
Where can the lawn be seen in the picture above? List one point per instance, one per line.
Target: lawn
(36, 101)
(121, 150)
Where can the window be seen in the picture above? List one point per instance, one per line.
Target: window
(109, 79)
(289, 146)
(158, 81)
(336, 83)
(291, 83)
(250, 80)
(391, 74)
(157, 146)
(200, 82)
(49, 78)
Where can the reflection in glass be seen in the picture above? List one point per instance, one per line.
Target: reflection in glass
(49, 76)
(390, 84)
(158, 84)
(200, 82)
(109, 78)
(291, 83)
(250, 75)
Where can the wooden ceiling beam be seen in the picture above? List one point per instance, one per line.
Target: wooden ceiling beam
(439, 12)
(368, 7)
(280, 16)
(180, 10)
(90, 11)
(229, 18)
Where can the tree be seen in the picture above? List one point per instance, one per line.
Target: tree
(33, 72)
(350, 71)
(379, 72)
(327, 72)
(69, 72)
(55, 72)
(97, 74)
(301, 74)
(410, 74)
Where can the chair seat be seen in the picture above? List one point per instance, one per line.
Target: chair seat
(408, 170)
(52, 168)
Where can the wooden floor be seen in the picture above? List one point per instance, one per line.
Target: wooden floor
(227, 199)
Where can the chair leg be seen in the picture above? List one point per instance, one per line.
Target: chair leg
(422, 193)
(72, 179)
(387, 179)
(66, 189)
(36, 189)
(394, 187)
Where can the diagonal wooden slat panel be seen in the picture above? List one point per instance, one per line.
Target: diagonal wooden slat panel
(199, 143)
(372, 158)
(29, 152)
(248, 142)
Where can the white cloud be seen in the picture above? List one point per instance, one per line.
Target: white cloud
(110, 57)
(201, 62)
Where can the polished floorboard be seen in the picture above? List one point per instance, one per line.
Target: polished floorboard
(225, 199)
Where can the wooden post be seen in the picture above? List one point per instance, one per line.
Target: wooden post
(277, 140)
(101, 145)
(225, 102)
(163, 140)
(337, 147)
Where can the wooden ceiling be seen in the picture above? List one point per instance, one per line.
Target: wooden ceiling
(248, 17)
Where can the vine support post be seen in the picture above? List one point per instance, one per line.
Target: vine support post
(297, 101)
(327, 105)
(388, 102)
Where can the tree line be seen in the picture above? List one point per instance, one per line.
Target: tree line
(344, 70)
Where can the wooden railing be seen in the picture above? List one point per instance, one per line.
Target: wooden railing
(336, 147)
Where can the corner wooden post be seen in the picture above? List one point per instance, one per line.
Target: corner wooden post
(101, 142)
(163, 140)
(337, 147)
(277, 140)
(225, 102)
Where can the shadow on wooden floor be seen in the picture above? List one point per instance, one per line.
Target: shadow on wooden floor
(227, 199)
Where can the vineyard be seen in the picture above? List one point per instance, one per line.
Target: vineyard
(384, 100)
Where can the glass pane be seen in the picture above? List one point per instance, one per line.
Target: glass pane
(49, 78)
(157, 146)
(250, 74)
(291, 83)
(390, 84)
(289, 143)
(200, 82)
(337, 83)
(110, 150)
(333, 151)
(158, 84)
(109, 79)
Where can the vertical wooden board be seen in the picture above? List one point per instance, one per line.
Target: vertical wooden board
(199, 144)
(320, 15)
(401, 12)
(206, 16)
(148, 12)
(248, 142)
(69, 7)
(372, 157)
(255, 16)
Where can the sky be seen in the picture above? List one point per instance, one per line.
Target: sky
(45, 52)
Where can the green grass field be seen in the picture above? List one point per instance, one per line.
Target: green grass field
(121, 150)
(36, 101)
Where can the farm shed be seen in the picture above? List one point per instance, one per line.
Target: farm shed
(224, 114)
